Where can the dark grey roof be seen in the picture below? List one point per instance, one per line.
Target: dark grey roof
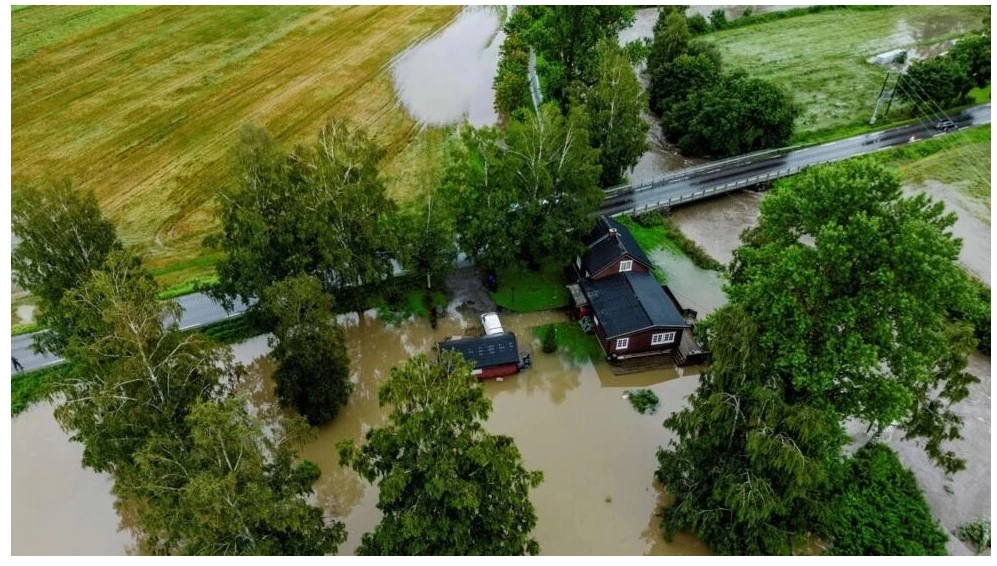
(628, 302)
(486, 351)
(604, 250)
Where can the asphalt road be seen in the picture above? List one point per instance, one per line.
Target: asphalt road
(198, 310)
(744, 167)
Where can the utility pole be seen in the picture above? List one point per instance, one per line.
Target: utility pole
(885, 94)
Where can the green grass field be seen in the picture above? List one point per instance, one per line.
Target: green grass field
(821, 58)
(144, 104)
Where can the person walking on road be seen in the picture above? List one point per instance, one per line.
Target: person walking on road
(17, 364)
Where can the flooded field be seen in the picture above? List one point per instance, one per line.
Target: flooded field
(448, 77)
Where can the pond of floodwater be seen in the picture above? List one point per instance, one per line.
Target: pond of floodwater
(448, 77)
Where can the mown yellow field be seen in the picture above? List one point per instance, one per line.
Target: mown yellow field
(144, 104)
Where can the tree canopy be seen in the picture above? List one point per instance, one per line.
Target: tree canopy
(319, 210)
(313, 368)
(133, 373)
(446, 486)
(839, 303)
(538, 182)
(565, 39)
(614, 104)
(64, 238)
(939, 82)
(732, 115)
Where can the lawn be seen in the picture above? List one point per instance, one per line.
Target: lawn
(821, 58)
(961, 159)
(144, 104)
(522, 290)
(572, 341)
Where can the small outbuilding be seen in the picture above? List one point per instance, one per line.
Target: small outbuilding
(496, 355)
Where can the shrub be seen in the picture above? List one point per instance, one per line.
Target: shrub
(976, 534)
(718, 19)
(877, 509)
(644, 400)
(550, 340)
(697, 24)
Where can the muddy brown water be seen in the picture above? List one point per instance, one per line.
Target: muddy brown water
(568, 418)
(57, 506)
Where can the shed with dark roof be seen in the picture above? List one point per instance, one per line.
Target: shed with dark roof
(493, 356)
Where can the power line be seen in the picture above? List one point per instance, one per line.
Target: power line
(926, 102)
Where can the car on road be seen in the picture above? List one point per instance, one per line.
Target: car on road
(945, 125)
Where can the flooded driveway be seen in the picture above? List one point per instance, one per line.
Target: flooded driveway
(448, 77)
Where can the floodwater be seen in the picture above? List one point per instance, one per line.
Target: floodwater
(644, 24)
(694, 287)
(448, 77)
(716, 224)
(57, 506)
(568, 418)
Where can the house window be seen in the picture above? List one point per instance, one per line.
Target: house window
(626, 265)
(662, 338)
(622, 343)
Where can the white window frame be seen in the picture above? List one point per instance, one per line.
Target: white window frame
(662, 338)
(626, 265)
(622, 343)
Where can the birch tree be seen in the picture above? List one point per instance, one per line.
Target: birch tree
(231, 488)
(64, 238)
(318, 210)
(614, 104)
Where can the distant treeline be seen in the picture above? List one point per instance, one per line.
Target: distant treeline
(760, 18)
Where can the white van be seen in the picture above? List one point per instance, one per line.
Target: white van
(492, 325)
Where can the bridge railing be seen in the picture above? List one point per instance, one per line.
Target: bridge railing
(715, 190)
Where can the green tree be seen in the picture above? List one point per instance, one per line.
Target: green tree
(838, 310)
(932, 83)
(427, 236)
(133, 373)
(972, 51)
(683, 76)
(512, 82)
(64, 238)
(749, 454)
(320, 210)
(614, 104)
(851, 285)
(446, 486)
(313, 367)
(565, 39)
(230, 488)
(736, 114)
(539, 183)
(671, 38)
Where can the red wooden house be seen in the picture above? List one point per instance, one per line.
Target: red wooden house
(631, 314)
